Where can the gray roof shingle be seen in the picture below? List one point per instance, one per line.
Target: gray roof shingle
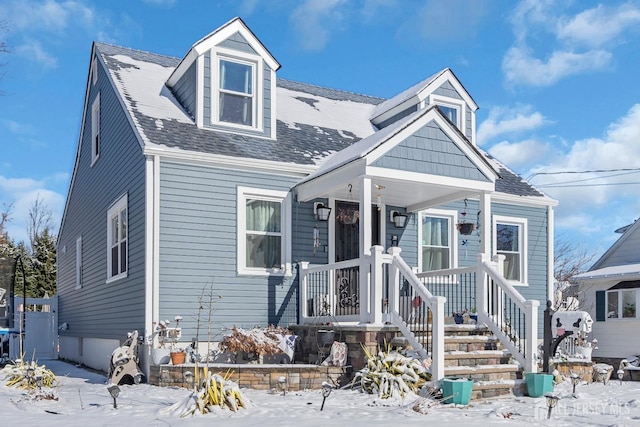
(302, 144)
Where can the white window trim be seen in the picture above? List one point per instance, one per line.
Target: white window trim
(285, 226)
(257, 66)
(522, 224)
(79, 262)
(118, 206)
(95, 129)
(457, 104)
(620, 306)
(451, 215)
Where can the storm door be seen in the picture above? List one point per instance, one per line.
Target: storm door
(347, 239)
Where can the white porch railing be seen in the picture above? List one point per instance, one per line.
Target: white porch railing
(382, 288)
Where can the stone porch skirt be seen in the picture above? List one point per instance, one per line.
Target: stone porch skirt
(255, 376)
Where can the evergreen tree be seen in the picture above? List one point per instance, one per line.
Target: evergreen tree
(43, 265)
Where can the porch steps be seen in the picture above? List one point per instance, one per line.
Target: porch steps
(472, 351)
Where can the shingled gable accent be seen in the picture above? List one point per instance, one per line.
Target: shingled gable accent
(236, 25)
(418, 93)
(360, 158)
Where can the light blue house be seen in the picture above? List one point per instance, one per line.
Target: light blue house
(209, 171)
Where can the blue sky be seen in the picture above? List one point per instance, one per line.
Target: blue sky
(556, 82)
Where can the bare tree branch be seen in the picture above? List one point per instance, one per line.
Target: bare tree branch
(40, 220)
(570, 259)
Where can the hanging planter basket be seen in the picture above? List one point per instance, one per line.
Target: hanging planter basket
(465, 228)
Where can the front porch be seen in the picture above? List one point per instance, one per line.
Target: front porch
(380, 295)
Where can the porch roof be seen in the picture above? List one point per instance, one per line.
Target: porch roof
(339, 173)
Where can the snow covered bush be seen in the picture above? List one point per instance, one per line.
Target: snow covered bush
(392, 374)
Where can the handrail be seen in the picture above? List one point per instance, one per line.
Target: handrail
(511, 317)
(333, 266)
(518, 335)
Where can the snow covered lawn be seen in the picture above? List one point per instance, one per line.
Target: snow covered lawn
(83, 400)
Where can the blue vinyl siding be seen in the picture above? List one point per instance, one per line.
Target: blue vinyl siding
(198, 220)
(538, 250)
(398, 116)
(431, 151)
(237, 42)
(186, 88)
(100, 310)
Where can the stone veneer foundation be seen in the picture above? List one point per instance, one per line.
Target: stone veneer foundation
(255, 376)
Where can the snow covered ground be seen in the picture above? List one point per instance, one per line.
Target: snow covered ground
(83, 400)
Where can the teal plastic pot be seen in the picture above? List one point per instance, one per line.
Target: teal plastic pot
(457, 390)
(538, 384)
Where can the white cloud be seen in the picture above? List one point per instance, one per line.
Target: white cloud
(509, 121)
(594, 193)
(47, 15)
(21, 193)
(599, 25)
(34, 51)
(552, 44)
(520, 67)
(313, 21)
(521, 153)
(18, 128)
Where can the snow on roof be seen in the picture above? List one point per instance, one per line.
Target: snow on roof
(364, 146)
(148, 95)
(613, 272)
(349, 118)
(404, 95)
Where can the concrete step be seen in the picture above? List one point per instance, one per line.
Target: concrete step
(476, 358)
(485, 372)
(500, 388)
(471, 343)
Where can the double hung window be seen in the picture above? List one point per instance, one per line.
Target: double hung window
(511, 241)
(236, 103)
(262, 229)
(117, 240)
(437, 243)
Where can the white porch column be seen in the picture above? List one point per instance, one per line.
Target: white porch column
(377, 280)
(303, 303)
(394, 282)
(485, 226)
(437, 352)
(365, 216)
(364, 247)
(482, 302)
(531, 350)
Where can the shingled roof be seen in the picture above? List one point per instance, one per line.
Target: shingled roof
(302, 138)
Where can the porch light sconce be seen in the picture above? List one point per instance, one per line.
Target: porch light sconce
(398, 219)
(321, 211)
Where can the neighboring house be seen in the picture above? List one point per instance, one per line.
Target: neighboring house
(611, 293)
(211, 173)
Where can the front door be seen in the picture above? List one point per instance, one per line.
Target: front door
(347, 227)
(347, 239)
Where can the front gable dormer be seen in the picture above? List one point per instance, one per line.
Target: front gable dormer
(227, 82)
(442, 89)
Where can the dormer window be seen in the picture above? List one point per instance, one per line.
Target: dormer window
(451, 113)
(237, 92)
(452, 109)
